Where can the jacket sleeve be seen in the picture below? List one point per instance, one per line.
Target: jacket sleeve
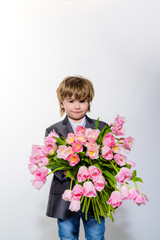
(59, 174)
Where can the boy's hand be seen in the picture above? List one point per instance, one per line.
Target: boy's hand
(65, 172)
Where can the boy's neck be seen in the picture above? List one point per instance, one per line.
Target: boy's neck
(76, 120)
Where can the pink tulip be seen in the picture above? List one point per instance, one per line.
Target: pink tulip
(37, 151)
(94, 172)
(77, 192)
(67, 195)
(82, 174)
(48, 149)
(80, 137)
(107, 153)
(50, 141)
(140, 199)
(77, 147)
(120, 159)
(99, 183)
(116, 148)
(119, 120)
(41, 162)
(92, 144)
(32, 159)
(73, 159)
(69, 150)
(41, 174)
(109, 140)
(32, 167)
(92, 134)
(80, 129)
(115, 199)
(118, 130)
(63, 152)
(133, 193)
(133, 164)
(128, 143)
(53, 134)
(74, 205)
(89, 189)
(124, 191)
(124, 175)
(118, 126)
(70, 138)
(38, 184)
(92, 152)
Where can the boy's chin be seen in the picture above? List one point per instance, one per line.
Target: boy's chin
(76, 118)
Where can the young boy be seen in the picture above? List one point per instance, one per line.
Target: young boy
(75, 95)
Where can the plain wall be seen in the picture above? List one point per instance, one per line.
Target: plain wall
(113, 43)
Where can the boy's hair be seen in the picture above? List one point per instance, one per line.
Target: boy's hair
(79, 87)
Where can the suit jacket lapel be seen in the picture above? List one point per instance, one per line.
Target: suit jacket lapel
(67, 128)
(89, 123)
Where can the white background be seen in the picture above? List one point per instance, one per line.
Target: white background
(114, 43)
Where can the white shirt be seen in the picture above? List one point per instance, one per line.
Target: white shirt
(74, 124)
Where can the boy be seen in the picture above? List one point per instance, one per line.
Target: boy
(75, 95)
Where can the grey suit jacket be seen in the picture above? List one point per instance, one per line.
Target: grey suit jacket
(57, 207)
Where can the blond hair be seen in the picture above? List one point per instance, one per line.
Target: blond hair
(79, 87)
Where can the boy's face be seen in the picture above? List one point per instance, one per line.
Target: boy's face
(75, 109)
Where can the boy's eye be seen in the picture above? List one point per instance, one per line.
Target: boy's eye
(84, 100)
(71, 101)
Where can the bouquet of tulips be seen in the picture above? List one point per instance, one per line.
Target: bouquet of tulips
(93, 160)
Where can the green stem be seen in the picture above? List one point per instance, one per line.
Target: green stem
(60, 168)
(94, 210)
(82, 198)
(84, 204)
(114, 167)
(71, 183)
(97, 211)
(135, 185)
(87, 207)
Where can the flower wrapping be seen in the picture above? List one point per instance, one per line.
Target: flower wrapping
(95, 163)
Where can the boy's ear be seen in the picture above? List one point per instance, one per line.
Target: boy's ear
(61, 104)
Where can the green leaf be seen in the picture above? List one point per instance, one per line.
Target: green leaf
(62, 142)
(111, 183)
(72, 173)
(53, 167)
(87, 160)
(96, 126)
(128, 165)
(134, 173)
(111, 176)
(107, 165)
(61, 161)
(102, 133)
(137, 179)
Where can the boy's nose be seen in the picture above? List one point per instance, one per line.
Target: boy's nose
(77, 105)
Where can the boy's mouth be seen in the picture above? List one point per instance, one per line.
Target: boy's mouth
(77, 112)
